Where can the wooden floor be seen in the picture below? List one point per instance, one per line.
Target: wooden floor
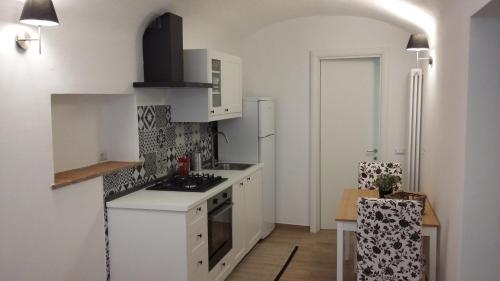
(316, 256)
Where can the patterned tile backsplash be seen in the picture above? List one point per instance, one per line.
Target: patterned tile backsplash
(161, 142)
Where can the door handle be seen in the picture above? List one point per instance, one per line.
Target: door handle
(372, 150)
(221, 211)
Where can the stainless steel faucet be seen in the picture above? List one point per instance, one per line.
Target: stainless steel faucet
(214, 134)
(224, 135)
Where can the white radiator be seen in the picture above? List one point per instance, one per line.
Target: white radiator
(415, 124)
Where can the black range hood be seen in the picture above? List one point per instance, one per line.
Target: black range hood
(171, 85)
(163, 55)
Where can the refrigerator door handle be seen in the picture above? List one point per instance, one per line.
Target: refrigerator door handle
(266, 136)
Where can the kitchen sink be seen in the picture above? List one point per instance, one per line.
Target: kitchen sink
(231, 166)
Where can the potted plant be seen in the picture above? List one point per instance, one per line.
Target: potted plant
(386, 184)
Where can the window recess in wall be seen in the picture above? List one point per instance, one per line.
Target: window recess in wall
(92, 135)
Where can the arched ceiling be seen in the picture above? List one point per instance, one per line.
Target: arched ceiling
(244, 17)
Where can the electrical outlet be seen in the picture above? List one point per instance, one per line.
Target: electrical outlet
(103, 156)
(400, 151)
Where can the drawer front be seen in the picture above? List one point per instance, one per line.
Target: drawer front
(225, 269)
(197, 213)
(197, 234)
(198, 263)
(222, 270)
(199, 275)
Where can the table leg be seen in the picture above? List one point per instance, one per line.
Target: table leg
(347, 244)
(432, 253)
(340, 251)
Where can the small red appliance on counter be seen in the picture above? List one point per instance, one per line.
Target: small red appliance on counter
(184, 164)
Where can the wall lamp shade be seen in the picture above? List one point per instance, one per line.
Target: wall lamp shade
(39, 13)
(417, 43)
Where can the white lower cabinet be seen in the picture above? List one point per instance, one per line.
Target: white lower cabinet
(247, 214)
(253, 208)
(158, 245)
(239, 217)
(173, 245)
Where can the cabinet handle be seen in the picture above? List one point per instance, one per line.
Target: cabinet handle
(200, 262)
(212, 111)
(200, 235)
(227, 110)
(248, 179)
(223, 264)
(198, 209)
(241, 183)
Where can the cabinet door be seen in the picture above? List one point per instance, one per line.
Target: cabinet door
(239, 221)
(253, 204)
(231, 84)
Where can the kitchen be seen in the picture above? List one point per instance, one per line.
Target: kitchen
(75, 105)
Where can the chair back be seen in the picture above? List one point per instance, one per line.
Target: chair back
(389, 237)
(369, 171)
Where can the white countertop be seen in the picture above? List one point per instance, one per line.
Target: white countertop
(176, 200)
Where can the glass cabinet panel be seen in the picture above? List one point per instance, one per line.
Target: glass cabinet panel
(216, 81)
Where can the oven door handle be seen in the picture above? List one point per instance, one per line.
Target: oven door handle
(221, 210)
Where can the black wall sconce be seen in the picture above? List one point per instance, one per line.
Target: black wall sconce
(417, 43)
(38, 13)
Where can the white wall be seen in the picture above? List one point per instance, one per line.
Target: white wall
(481, 220)
(445, 99)
(50, 234)
(276, 63)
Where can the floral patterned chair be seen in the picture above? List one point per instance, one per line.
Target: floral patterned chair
(369, 172)
(389, 239)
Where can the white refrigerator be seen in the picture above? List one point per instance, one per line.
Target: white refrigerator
(252, 140)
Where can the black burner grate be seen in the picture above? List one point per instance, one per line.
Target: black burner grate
(191, 183)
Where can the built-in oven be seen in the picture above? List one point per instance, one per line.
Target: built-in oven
(220, 226)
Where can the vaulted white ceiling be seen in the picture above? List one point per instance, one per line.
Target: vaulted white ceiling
(243, 17)
(247, 16)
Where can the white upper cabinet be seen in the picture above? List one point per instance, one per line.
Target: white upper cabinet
(222, 101)
(231, 85)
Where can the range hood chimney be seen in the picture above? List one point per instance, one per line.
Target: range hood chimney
(163, 54)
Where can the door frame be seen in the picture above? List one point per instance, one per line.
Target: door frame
(315, 119)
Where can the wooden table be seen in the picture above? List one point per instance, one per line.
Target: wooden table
(346, 221)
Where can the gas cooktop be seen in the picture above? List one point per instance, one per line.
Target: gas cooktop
(190, 183)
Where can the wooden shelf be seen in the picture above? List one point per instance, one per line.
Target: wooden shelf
(69, 177)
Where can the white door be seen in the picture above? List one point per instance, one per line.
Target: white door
(349, 126)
